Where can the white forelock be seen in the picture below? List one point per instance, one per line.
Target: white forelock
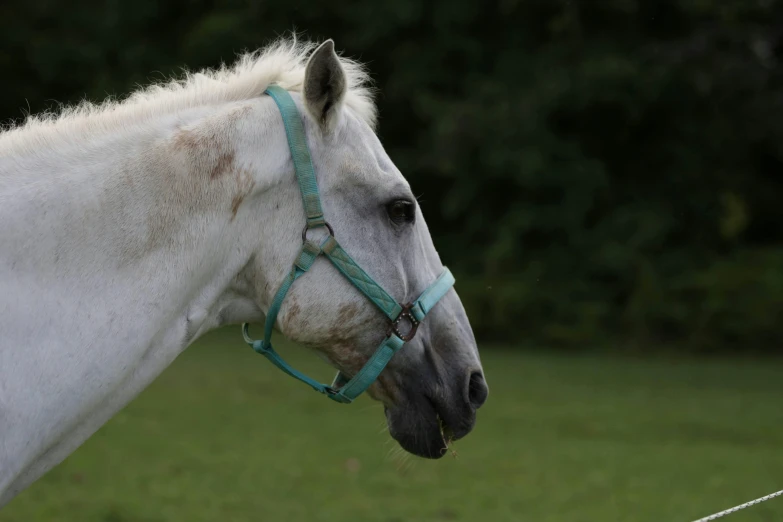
(283, 62)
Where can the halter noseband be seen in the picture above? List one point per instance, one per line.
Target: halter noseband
(342, 389)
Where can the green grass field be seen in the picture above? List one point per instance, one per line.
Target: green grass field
(224, 436)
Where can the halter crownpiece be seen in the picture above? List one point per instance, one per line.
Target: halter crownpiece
(342, 389)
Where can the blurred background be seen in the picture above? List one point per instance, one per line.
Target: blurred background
(604, 178)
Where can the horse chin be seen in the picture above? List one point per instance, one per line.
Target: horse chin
(421, 433)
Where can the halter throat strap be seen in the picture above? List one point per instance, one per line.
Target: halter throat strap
(343, 389)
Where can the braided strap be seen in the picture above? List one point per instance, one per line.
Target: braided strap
(345, 264)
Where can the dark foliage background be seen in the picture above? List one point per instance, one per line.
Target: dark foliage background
(595, 172)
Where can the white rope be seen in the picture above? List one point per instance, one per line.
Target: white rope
(741, 506)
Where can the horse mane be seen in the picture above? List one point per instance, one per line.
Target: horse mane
(282, 62)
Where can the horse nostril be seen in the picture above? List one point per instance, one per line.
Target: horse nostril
(477, 390)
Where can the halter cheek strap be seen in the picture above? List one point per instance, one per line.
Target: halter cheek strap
(342, 389)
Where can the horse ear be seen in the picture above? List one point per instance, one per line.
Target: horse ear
(324, 85)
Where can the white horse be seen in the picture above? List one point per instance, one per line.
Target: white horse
(128, 230)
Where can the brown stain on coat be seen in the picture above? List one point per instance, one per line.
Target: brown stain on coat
(195, 169)
(245, 184)
(292, 314)
(204, 153)
(342, 340)
(223, 165)
(341, 349)
(291, 319)
(208, 147)
(347, 313)
(189, 141)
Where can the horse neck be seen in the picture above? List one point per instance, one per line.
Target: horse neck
(117, 254)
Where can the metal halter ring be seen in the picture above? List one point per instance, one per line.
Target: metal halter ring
(395, 326)
(308, 227)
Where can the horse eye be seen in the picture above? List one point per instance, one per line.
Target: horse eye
(401, 211)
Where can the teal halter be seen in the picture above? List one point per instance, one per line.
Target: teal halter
(342, 389)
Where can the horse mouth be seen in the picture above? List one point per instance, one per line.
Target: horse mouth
(446, 433)
(423, 432)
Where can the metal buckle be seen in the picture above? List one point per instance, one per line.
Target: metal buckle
(407, 314)
(307, 227)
